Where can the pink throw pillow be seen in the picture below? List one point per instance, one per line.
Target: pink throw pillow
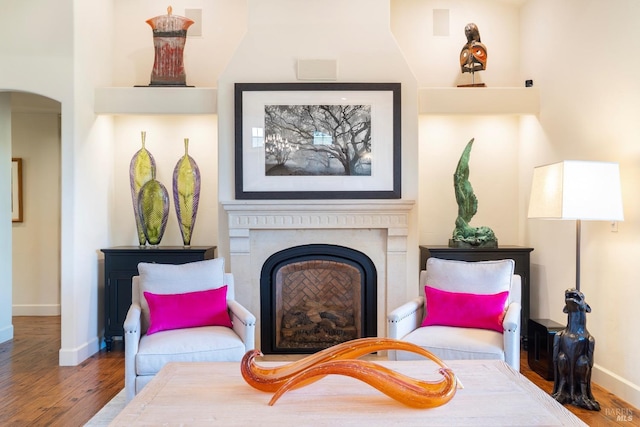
(465, 310)
(188, 310)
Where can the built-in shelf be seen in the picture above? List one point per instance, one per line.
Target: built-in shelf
(156, 100)
(203, 100)
(479, 100)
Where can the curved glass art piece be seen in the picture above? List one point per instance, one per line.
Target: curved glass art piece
(153, 205)
(406, 390)
(341, 359)
(186, 193)
(140, 172)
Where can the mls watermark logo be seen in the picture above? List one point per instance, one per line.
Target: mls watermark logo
(620, 414)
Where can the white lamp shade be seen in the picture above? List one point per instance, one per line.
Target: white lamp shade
(575, 189)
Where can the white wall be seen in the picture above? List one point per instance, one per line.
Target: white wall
(589, 111)
(36, 240)
(6, 327)
(87, 164)
(40, 55)
(434, 59)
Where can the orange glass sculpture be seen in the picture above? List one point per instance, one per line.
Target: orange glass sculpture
(342, 359)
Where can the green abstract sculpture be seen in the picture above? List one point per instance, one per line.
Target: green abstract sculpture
(464, 235)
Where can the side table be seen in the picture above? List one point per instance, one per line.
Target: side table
(540, 355)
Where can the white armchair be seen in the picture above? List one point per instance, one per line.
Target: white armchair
(146, 353)
(448, 340)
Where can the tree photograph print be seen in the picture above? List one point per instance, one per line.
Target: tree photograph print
(317, 140)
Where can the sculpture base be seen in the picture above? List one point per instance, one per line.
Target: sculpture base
(461, 244)
(474, 85)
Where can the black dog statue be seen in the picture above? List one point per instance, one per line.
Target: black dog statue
(573, 355)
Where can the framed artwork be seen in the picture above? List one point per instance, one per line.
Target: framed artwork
(16, 190)
(317, 141)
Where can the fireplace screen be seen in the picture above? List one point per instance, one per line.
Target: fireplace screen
(314, 301)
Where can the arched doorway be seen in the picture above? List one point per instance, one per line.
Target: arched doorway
(36, 141)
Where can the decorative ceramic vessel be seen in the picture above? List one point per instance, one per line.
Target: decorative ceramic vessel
(186, 193)
(169, 38)
(153, 205)
(140, 172)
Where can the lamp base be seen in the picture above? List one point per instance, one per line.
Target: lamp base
(573, 349)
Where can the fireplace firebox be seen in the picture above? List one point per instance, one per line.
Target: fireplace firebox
(315, 296)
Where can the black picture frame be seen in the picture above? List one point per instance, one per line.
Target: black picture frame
(382, 103)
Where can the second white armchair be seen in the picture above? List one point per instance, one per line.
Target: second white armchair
(466, 310)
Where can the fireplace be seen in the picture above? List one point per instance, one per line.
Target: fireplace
(378, 229)
(315, 296)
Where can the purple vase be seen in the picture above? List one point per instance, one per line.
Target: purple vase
(186, 193)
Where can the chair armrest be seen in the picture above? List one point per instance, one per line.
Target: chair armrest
(405, 318)
(133, 320)
(132, 326)
(244, 323)
(511, 321)
(511, 335)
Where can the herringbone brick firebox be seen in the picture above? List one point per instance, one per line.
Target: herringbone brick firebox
(317, 304)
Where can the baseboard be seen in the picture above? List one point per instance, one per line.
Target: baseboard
(617, 385)
(75, 356)
(6, 334)
(36, 309)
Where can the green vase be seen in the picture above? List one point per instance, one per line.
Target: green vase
(140, 172)
(186, 193)
(153, 205)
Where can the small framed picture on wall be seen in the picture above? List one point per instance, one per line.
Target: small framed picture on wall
(16, 189)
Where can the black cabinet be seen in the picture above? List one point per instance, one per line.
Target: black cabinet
(520, 255)
(121, 264)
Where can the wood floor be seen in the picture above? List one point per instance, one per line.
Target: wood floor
(35, 391)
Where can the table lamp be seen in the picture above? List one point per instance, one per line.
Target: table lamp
(576, 190)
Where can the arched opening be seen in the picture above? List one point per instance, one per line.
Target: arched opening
(36, 243)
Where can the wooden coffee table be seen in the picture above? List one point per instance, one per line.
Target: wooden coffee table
(205, 394)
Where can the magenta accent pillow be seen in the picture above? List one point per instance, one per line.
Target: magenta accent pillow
(188, 310)
(465, 310)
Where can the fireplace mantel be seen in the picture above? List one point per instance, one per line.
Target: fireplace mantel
(378, 228)
(318, 214)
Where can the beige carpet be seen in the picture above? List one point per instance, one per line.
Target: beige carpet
(108, 412)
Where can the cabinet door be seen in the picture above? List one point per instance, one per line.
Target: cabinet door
(119, 295)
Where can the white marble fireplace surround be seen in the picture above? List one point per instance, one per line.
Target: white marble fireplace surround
(379, 229)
